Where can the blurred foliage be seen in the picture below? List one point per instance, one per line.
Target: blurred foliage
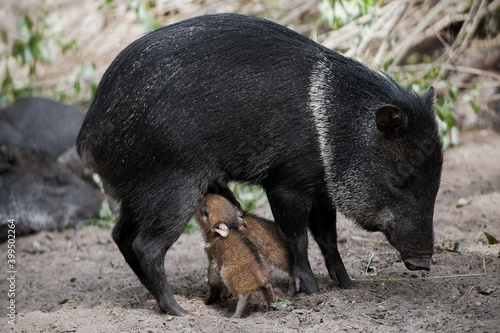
(249, 196)
(337, 13)
(37, 42)
(107, 219)
(143, 11)
(144, 15)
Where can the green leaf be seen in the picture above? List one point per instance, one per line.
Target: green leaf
(491, 240)
(459, 248)
(45, 51)
(106, 3)
(285, 304)
(191, 227)
(3, 33)
(105, 211)
(70, 46)
(148, 21)
(77, 87)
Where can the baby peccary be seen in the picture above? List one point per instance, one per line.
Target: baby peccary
(242, 266)
(261, 232)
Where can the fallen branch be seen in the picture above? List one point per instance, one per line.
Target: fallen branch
(405, 45)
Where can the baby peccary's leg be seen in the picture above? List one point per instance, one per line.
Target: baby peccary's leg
(268, 292)
(242, 304)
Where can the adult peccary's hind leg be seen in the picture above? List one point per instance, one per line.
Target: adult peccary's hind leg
(144, 238)
(322, 223)
(291, 214)
(124, 235)
(151, 247)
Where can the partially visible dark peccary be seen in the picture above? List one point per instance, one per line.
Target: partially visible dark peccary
(40, 193)
(234, 261)
(36, 190)
(44, 124)
(231, 97)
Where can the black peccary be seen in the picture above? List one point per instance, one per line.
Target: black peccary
(40, 193)
(233, 97)
(235, 261)
(37, 190)
(44, 124)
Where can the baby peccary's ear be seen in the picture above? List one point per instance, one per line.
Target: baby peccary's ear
(241, 222)
(222, 230)
(390, 118)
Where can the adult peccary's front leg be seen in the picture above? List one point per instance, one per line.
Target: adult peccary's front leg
(290, 213)
(322, 223)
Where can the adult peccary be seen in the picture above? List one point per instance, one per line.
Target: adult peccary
(235, 261)
(232, 97)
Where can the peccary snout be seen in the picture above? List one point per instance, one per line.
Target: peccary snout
(418, 264)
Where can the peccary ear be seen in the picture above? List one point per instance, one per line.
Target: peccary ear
(229, 195)
(390, 118)
(428, 97)
(241, 221)
(222, 230)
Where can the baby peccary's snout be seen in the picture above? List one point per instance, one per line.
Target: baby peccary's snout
(418, 264)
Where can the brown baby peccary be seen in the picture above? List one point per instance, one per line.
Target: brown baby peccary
(241, 265)
(261, 232)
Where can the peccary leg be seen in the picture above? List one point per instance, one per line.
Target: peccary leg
(322, 223)
(124, 235)
(212, 294)
(214, 284)
(144, 247)
(150, 247)
(268, 292)
(242, 304)
(291, 214)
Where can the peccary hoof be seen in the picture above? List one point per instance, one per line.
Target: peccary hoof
(418, 264)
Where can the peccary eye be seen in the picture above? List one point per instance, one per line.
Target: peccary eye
(54, 180)
(205, 210)
(403, 180)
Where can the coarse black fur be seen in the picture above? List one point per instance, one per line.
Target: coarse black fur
(224, 97)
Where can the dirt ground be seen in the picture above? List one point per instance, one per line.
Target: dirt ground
(77, 280)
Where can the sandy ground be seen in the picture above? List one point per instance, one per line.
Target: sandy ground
(77, 280)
